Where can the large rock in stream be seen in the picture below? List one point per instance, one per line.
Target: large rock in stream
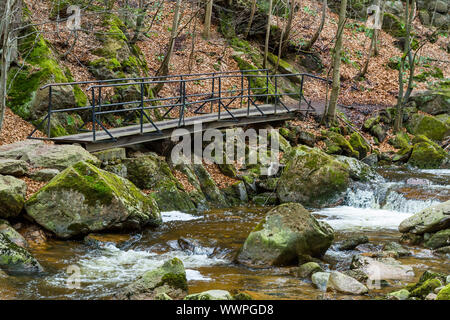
(288, 234)
(314, 178)
(84, 199)
(15, 259)
(168, 281)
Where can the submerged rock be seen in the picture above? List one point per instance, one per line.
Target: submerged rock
(345, 284)
(308, 269)
(15, 259)
(287, 234)
(84, 199)
(12, 196)
(210, 295)
(169, 279)
(353, 242)
(312, 177)
(397, 248)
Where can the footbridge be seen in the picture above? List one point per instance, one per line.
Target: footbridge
(123, 112)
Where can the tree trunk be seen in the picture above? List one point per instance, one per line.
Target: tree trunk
(287, 31)
(250, 21)
(164, 68)
(331, 112)
(316, 35)
(398, 123)
(207, 30)
(5, 55)
(266, 46)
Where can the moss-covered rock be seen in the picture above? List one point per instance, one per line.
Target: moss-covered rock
(430, 219)
(306, 270)
(13, 167)
(84, 199)
(12, 196)
(427, 155)
(429, 126)
(337, 144)
(438, 240)
(400, 141)
(169, 279)
(15, 259)
(151, 172)
(40, 67)
(358, 170)
(12, 234)
(287, 232)
(285, 67)
(444, 293)
(425, 288)
(401, 294)
(312, 177)
(432, 101)
(58, 156)
(236, 194)
(209, 187)
(359, 144)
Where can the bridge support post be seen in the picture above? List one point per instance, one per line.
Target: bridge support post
(49, 132)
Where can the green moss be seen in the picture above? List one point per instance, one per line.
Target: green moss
(359, 145)
(444, 294)
(370, 122)
(425, 288)
(337, 144)
(429, 126)
(400, 141)
(426, 154)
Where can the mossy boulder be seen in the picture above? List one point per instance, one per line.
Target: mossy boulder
(257, 80)
(438, 240)
(427, 155)
(169, 279)
(285, 67)
(401, 294)
(429, 126)
(337, 144)
(58, 156)
(151, 172)
(12, 196)
(12, 234)
(40, 67)
(209, 187)
(288, 234)
(425, 288)
(84, 199)
(358, 170)
(306, 270)
(15, 259)
(13, 167)
(312, 177)
(359, 144)
(400, 141)
(433, 102)
(431, 219)
(444, 293)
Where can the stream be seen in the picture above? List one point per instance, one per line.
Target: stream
(209, 242)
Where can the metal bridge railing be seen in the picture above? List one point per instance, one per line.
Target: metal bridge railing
(183, 101)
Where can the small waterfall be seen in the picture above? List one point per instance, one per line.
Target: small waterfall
(385, 196)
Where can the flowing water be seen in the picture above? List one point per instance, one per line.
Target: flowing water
(208, 242)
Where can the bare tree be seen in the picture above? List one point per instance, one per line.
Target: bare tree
(331, 112)
(316, 35)
(266, 46)
(287, 30)
(164, 68)
(208, 15)
(9, 13)
(250, 20)
(402, 95)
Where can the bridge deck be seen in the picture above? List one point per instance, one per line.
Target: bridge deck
(130, 135)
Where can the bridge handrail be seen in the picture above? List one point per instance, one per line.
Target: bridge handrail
(147, 78)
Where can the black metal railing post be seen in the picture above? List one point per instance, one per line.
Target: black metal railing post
(183, 102)
(49, 132)
(94, 120)
(213, 92)
(142, 108)
(301, 92)
(267, 87)
(220, 96)
(276, 95)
